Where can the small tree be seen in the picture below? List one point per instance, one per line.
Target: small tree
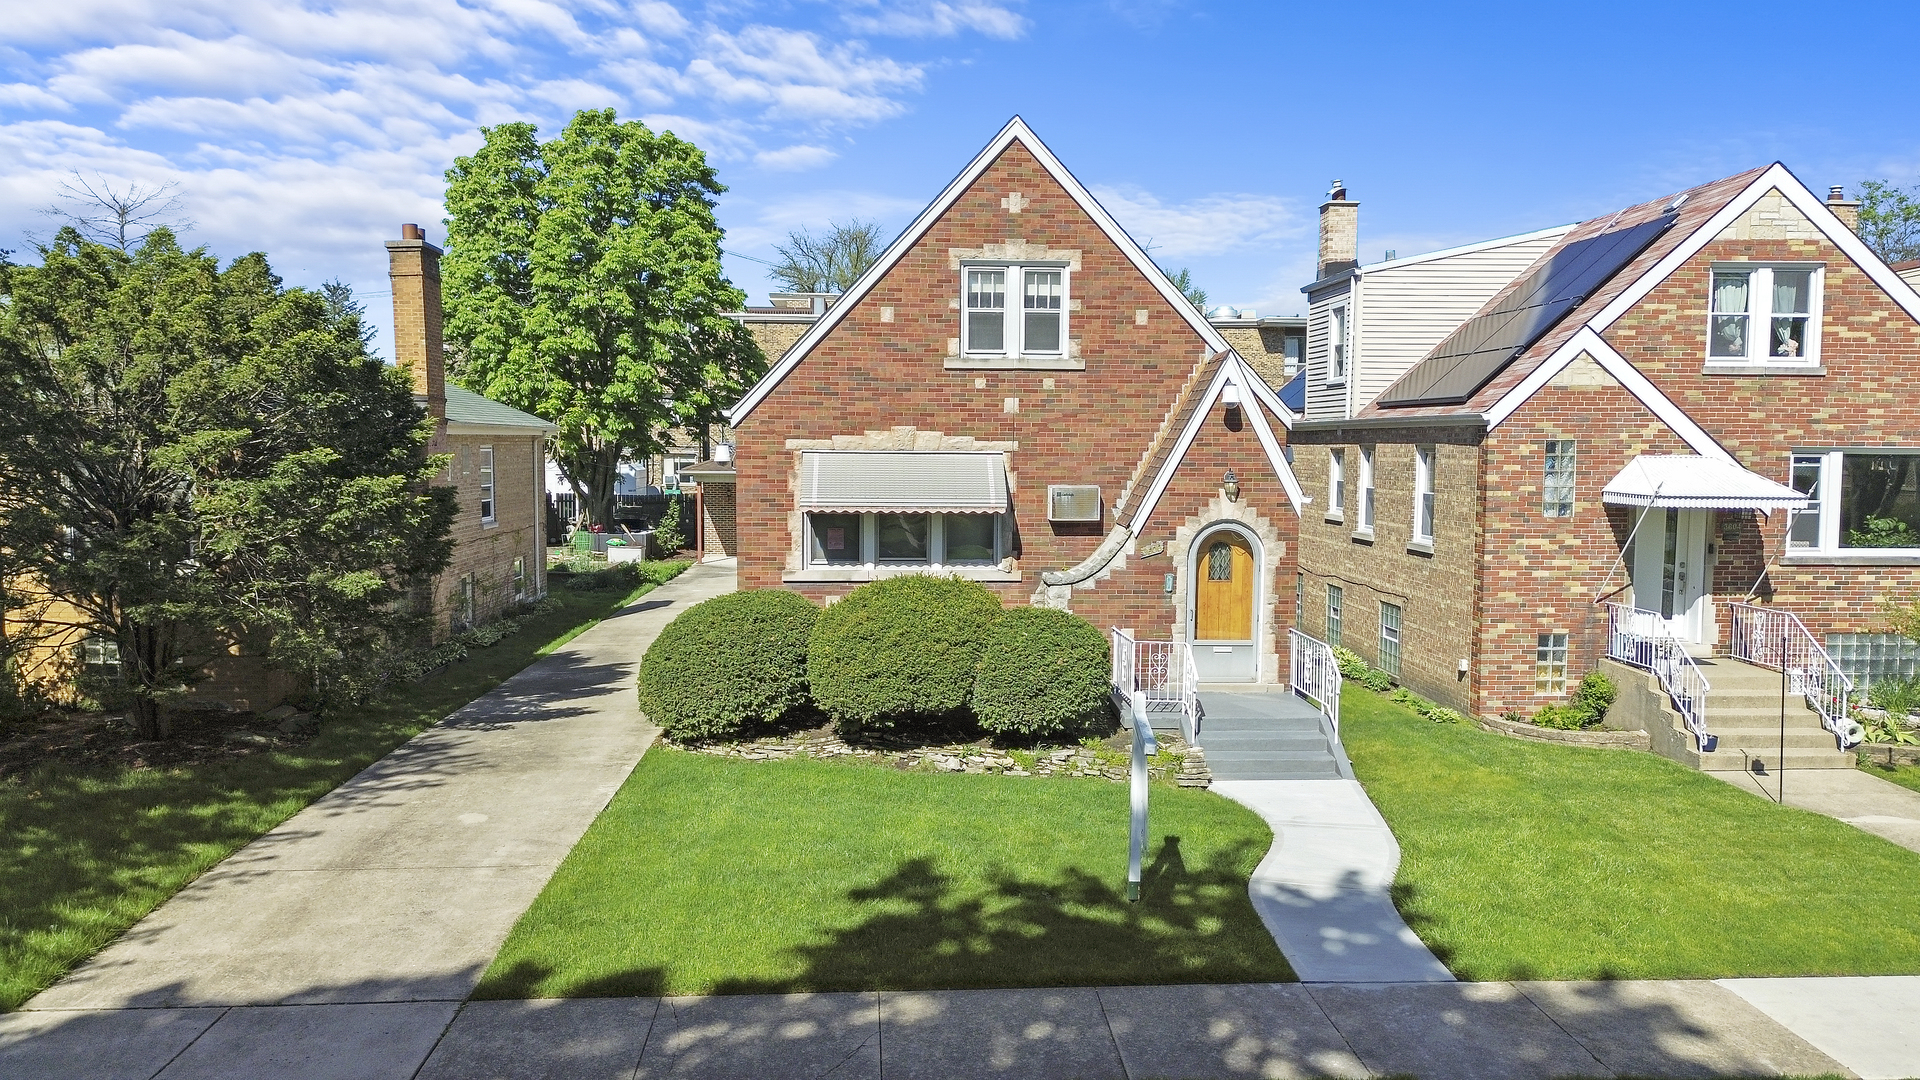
(1890, 220)
(830, 263)
(1183, 280)
(667, 533)
(190, 454)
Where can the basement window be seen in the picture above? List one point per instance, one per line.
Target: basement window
(100, 657)
(1550, 664)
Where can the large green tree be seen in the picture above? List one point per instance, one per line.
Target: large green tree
(583, 284)
(191, 456)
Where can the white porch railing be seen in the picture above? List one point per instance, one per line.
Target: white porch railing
(1771, 638)
(1159, 677)
(1641, 638)
(1314, 674)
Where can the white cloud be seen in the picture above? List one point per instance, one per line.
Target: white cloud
(1210, 225)
(935, 19)
(794, 158)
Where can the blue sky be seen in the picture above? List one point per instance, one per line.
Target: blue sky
(310, 130)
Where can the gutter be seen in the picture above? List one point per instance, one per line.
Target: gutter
(1375, 422)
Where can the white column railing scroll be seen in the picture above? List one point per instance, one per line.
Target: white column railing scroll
(1314, 674)
(1772, 638)
(1641, 638)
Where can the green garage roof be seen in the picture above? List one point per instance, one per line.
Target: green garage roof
(466, 407)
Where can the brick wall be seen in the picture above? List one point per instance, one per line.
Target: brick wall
(1262, 347)
(484, 552)
(719, 536)
(1434, 590)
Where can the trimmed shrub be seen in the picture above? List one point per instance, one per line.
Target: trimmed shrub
(1044, 672)
(1593, 697)
(900, 650)
(729, 662)
(1562, 717)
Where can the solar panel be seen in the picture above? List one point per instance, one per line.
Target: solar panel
(1294, 394)
(1484, 345)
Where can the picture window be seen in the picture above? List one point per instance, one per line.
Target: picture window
(1859, 502)
(905, 539)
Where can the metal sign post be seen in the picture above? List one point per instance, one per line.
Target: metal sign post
(1144, 746)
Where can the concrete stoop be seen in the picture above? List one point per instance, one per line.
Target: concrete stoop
(1258, 736)
(1743, 709)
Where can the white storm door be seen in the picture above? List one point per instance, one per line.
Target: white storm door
(1670, 570)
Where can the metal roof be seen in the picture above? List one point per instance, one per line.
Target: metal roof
(890, 481)
(1693, 482)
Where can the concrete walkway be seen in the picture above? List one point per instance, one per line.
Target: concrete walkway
(1322, 889)
(401, 884)
(1449, 1031)
(1860, 799)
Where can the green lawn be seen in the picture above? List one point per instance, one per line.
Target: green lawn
(1526, 860)
(1907, 776)
(85, 854)
(717, 875)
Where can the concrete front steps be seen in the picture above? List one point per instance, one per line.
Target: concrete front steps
(1251, 735)
(1743, 709)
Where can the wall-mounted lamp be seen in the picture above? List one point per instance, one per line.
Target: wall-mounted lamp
(1230, 484)
(1230, 395)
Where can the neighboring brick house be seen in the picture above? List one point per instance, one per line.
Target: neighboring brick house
(1636, 418)
(498, 456)
(1016, 394)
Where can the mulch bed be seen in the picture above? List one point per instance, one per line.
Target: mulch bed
(107, 741)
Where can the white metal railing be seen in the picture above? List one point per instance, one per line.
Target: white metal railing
(1157, 677)
(1640, 638)
(1314, 674)
(1771, 638)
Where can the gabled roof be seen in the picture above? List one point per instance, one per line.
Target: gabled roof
(1015, 131)
(1700, 214)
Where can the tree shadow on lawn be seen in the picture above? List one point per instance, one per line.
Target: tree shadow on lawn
(925, 932)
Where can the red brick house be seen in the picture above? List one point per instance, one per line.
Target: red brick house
(1697, 405)
(1016, 394)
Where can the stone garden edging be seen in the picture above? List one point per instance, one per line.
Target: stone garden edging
(1188, 767)
(1610, 740)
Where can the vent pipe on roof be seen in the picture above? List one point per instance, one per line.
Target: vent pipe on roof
(1847, 210)
(1339, 232)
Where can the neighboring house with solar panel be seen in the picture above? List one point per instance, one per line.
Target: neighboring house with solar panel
(1016, 394)
(1686, 417)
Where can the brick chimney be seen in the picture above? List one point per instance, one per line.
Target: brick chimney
(1339, 232)
(1847, 210)
(413, 265)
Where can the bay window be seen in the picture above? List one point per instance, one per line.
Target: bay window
(1041, 303)
(1859, 501)
(897, 539)
(1764, 314)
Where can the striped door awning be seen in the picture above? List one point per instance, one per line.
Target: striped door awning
(893, 481)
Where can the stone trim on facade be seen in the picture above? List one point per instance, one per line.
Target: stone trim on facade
(1220, 511)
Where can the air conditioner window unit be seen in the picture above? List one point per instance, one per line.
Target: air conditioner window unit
(1073, 502)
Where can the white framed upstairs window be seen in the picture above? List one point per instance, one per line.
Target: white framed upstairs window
(1365, 528)
(1423, 497)
(1336, 484)
(1014, 310)
(1293, 352)
(1765, 314)
(1862, 503)
(486, 483)
(1337, 340)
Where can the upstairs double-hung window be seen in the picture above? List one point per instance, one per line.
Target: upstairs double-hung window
(1764, 315)
(1015, 311)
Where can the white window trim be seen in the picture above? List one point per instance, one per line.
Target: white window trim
(483, 473)
(870, 561)
(1365, 492)
(1336, 484)
(1425, 460)
(1015, 311)
(1339, 337)
(1336, 615)
(1827, 506)
(1760, 315)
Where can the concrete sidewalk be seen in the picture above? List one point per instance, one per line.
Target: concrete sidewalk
(1437, 1031)
(402, 883)
(1860, 799)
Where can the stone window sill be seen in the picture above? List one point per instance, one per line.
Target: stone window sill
(854, 574)
(1363, 536)
(1711, 368)
(1849, 558)
(1015, 363)
(1420, 547)
(1336, 519)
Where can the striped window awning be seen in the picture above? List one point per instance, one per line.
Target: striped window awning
(1693, 482)
(893, 481)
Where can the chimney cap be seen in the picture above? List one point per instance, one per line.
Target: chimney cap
(1338, 192)
(410, 231)
(1837, 193)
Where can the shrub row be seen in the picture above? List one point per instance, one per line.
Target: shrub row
(898, 654)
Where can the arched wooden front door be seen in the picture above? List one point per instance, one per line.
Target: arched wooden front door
(1223, 598)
